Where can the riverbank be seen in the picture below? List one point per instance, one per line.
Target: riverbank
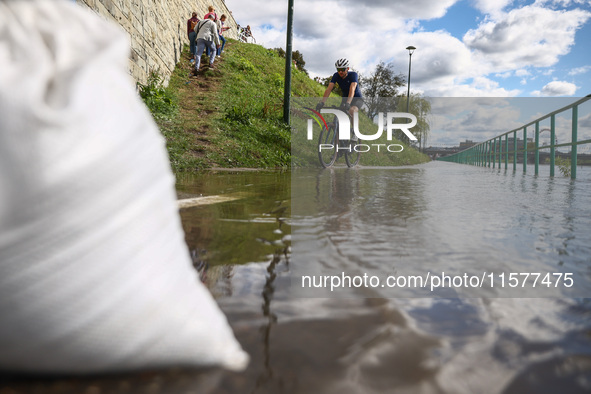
(232, 116)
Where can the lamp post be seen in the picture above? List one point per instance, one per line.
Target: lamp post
(410, 49)
(288, 57)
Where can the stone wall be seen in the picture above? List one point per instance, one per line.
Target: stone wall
(157, 29)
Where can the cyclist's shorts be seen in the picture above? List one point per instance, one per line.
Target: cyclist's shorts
(356, 102)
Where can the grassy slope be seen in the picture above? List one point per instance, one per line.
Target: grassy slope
(232, 116)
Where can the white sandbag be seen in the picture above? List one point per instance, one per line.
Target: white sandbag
(94, 272)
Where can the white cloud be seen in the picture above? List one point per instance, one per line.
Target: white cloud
(491, 7)
(327, 30)
(557, 88)
(523, 73)
(579, 70)
(274, 12)
(560, 3)
(528, 36)
(324, 18)
(403, 9)
(439, 56)
(454, 119)
(478, 87)
(477, 118)
(505, 74)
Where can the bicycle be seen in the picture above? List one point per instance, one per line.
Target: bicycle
(331, 147)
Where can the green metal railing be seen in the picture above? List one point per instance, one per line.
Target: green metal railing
(496, 150)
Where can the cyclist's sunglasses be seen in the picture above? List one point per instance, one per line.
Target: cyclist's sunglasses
(342, 69)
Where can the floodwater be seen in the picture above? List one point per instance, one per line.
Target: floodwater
(438, 217)
(271, 229)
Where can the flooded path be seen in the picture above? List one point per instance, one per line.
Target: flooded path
(254, 235)
(370, 340)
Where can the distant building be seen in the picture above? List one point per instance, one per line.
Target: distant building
(467, 144)
(519, 143)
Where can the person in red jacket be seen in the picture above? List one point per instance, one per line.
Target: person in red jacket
(191, 23)
(211, 10)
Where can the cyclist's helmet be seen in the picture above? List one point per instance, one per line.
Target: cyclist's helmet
(342, 63)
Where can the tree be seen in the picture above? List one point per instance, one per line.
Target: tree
(296, 56)
(325, 81)
(280, 51)
(421, 108)
(380, 89)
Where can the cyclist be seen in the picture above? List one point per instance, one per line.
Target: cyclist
(349, 83)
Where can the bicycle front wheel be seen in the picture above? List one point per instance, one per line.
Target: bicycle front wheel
(327, 146)
(353, 154)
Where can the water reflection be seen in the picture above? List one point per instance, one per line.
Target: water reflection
(367, 220)
(439, 215)
(438, 219)
(225, 230)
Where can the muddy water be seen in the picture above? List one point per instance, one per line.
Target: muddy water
(252, 248)
(372, 340)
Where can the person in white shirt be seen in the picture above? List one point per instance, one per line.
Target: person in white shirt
(221, 30)
(207, 36)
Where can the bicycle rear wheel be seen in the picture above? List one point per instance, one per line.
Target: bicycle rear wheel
(327, 146)
(353, 154)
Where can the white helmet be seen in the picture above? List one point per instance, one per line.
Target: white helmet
(342, 63)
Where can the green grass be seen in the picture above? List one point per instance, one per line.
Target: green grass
(251, 102)
(305, 151)
(232, 116)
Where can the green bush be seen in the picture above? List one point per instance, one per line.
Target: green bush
(157, 98)
(563, 165)
(243, 64)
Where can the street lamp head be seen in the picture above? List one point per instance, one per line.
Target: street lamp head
(410, 49)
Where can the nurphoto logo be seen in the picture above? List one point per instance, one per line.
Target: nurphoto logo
(344, 126)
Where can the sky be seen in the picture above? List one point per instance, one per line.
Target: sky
(456, 119)
(465, 48)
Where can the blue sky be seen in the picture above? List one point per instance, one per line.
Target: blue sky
(465, 48)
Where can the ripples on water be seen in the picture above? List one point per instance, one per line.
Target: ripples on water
(434, 217)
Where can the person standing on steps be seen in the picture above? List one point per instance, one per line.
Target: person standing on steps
(211, 11)
(207, 37)
(191, 23)
(221, 30)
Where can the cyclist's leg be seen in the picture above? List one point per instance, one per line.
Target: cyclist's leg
(356, 104)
